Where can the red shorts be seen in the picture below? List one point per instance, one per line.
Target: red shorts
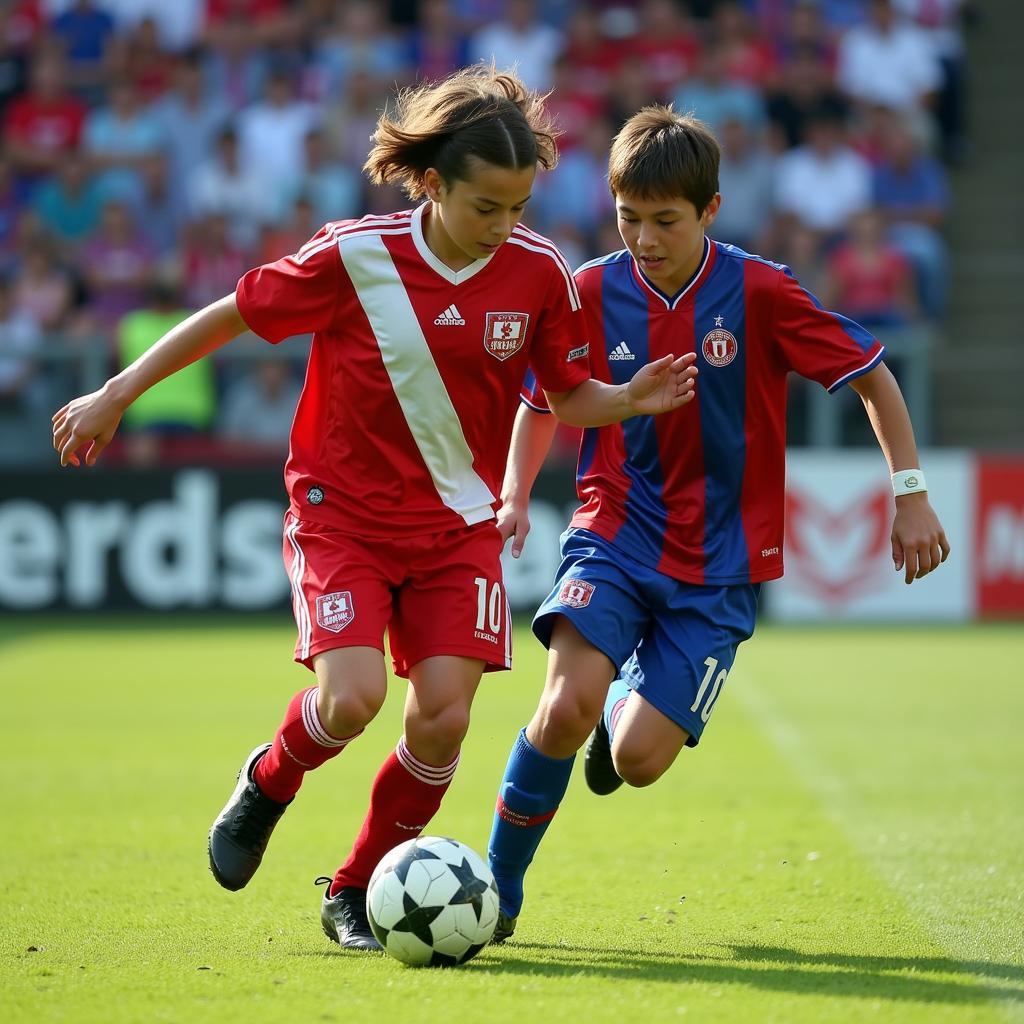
(434, 594)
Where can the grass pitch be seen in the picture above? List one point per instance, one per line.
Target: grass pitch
(846, 844)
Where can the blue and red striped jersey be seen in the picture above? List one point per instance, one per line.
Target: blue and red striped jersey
(699, 493)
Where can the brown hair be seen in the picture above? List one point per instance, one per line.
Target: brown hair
(659, 154)
(475, 112)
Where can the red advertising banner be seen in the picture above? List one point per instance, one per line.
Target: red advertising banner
(999, 537)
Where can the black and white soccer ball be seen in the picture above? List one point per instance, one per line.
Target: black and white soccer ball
(432, 902)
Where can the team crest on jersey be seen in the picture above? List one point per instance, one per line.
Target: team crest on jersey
(505, 333)
(576, 593)
(335, 611)
(719, 345)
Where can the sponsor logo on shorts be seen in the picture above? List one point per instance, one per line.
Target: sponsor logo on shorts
(479, 634)
(335, 611)
(576, 593)
(315, 495)
(578, 353)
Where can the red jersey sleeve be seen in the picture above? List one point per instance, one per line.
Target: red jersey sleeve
(295, 295)
(559, 357)
(816, 343)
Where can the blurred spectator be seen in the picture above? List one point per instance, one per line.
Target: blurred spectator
(666, 44)
(258, 408)
(271, 133)
(746, 179)
(69, 203)
(911, 193)
(178, 23)
(747, 56)
(436, 45)
(42, 289)
(350, 119)
(119, 136)
(868, 279)
(41, 126)
(359, 41)
(183, 403)
(334, 190)
(118, 265)
(519, 40)
(158, 209)
(823, 183)
(266, 22)
(140, 56)
(888, 61)
(591, 57)
(576, 192)
(292, 234)
(235, 67)
(571, 108)
(23, 23)
(715, 99)
(801, 251)
(804, 88)
(10, 212)
(630, 91)
(804, 32)
(22, 388)
(190, 121)
(223, 186)
(211, 261)
(13, 62)
(85, 31)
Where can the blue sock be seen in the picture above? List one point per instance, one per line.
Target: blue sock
(617, 693)
(530, 793)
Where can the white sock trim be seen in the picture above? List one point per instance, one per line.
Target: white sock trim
(428, 773)
(311, 720)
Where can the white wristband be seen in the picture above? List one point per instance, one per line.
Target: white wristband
(908, 481)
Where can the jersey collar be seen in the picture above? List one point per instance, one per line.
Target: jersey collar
(672, 301)
(451, 276)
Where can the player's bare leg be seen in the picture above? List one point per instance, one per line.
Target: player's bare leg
(540, 764)
(408, 789)
(645, 742)
(318, 725)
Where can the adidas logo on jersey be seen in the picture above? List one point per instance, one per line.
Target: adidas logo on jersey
(621, 351)
(451, 317)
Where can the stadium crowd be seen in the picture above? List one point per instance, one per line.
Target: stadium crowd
(152, 152)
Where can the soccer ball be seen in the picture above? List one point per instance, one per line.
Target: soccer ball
(432, 902)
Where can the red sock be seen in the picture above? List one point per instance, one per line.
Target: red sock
(405, 796)
(301, 744)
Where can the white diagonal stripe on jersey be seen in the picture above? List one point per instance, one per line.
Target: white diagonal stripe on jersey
(415, 378)
(298, 570)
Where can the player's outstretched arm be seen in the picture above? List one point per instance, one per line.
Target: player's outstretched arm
(658, 387)
(93, 419)
(532, 435)
(919, 544)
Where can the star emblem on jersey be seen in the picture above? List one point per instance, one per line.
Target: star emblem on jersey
(719, 346)
(335, 611)
(505, 333)
(450, 317)
(576, 593)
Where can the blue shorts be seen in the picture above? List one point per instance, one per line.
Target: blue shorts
(675, 642)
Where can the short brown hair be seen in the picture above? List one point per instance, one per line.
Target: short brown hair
(659, 154)
(476, 112)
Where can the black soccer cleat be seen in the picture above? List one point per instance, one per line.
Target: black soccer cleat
(239, 836)
(504, 929)
(344, 918)
(598, 767)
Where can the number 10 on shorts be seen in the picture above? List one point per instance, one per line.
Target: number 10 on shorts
(488, 606)
(709, 703)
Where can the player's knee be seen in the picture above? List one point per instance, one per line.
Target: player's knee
(567, 716)
(638, 769)
(446, 728)
(349, 709)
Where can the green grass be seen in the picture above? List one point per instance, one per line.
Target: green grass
(847, 844)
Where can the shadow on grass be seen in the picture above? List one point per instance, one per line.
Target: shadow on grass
(774, 968)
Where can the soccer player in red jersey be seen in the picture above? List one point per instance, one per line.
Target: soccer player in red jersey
(424, 325)
(682, 516)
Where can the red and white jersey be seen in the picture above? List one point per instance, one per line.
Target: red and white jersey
(414, 375)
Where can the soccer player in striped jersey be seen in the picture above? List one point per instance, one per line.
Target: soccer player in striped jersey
(424, 325)
(682, 516)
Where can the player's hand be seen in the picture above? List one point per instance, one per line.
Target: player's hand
(919, 544)
(91, 419)
(663, 385)
(514, 521)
